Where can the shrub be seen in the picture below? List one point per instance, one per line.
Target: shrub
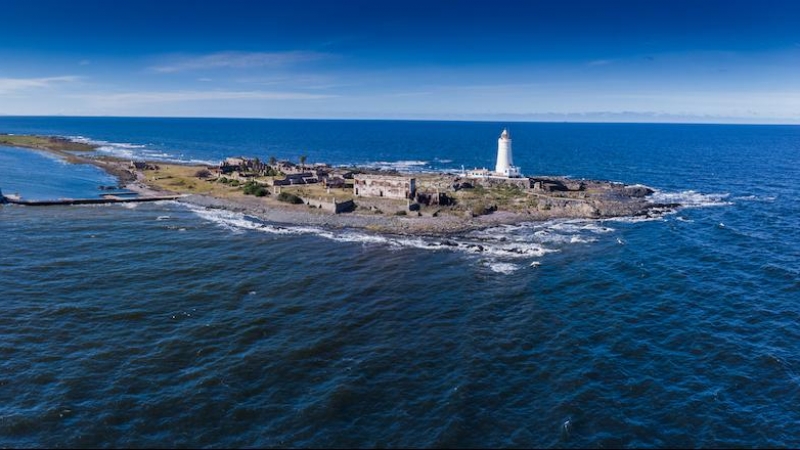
(400, 213)
(203, 173)
(253, 188)
(271, 172)
(289, 198)
(478, 209)
(481, 209)
(250, 188)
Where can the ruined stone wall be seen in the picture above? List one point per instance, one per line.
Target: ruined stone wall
(378, 186)
(331, 206)
(387, 205)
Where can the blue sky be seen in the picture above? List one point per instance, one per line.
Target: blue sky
(657, 61)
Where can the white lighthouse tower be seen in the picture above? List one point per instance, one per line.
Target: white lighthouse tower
(505, 163)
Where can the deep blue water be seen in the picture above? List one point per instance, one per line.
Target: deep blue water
(168, 325)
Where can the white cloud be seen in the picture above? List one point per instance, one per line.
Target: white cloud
(8, 85)
(239, 60)
(127, 98)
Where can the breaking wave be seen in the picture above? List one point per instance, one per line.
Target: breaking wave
(401, 166)
(754, 198)
(690, 199)
(504, 268)
(127, 150)
(503, 249)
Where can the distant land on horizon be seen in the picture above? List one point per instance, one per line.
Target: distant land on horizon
(598, 118)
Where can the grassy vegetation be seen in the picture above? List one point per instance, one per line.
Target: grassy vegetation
(481, 200)
(253, 188)
(183, 179)
(45, 143)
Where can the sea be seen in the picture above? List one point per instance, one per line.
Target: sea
(172, 325)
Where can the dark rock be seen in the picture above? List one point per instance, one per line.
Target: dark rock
(637, 191)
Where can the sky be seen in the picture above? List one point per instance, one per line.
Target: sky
(603, 60)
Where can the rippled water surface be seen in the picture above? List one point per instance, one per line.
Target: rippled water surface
(170, 325)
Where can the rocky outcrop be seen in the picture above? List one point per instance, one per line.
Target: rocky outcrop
(637, 191)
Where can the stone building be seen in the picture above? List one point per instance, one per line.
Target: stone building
(387, 186)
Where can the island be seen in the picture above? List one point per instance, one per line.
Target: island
(386, 201)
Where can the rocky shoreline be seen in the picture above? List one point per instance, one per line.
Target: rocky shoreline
(438, 226)
(570, 199)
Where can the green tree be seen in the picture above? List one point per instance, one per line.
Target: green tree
(272, 161)
(303, 162)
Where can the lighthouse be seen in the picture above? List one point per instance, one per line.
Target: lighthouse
(505, 162)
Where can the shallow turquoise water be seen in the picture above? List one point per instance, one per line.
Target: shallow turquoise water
(37, 176)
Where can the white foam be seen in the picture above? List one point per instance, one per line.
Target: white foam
(690, 199)
(504, 268)
(237, 222)
(496, 247)
(637, 219)
(129, 150)
(401, 166)
(753, 198)
(576, 226)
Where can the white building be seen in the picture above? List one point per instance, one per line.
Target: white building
(504, 168)
(505, 161)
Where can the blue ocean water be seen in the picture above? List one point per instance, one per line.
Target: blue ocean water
(43, 176)
(171, 325)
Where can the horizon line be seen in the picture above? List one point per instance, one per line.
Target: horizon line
(377, 119)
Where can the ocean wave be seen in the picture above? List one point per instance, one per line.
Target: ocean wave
(129, 150)
(754, 198)
(576, 226)
(401, 166)
(504, 268)
(499, 251)
(638, 219)
(690, 199)
(499, 245)
(237, 222)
